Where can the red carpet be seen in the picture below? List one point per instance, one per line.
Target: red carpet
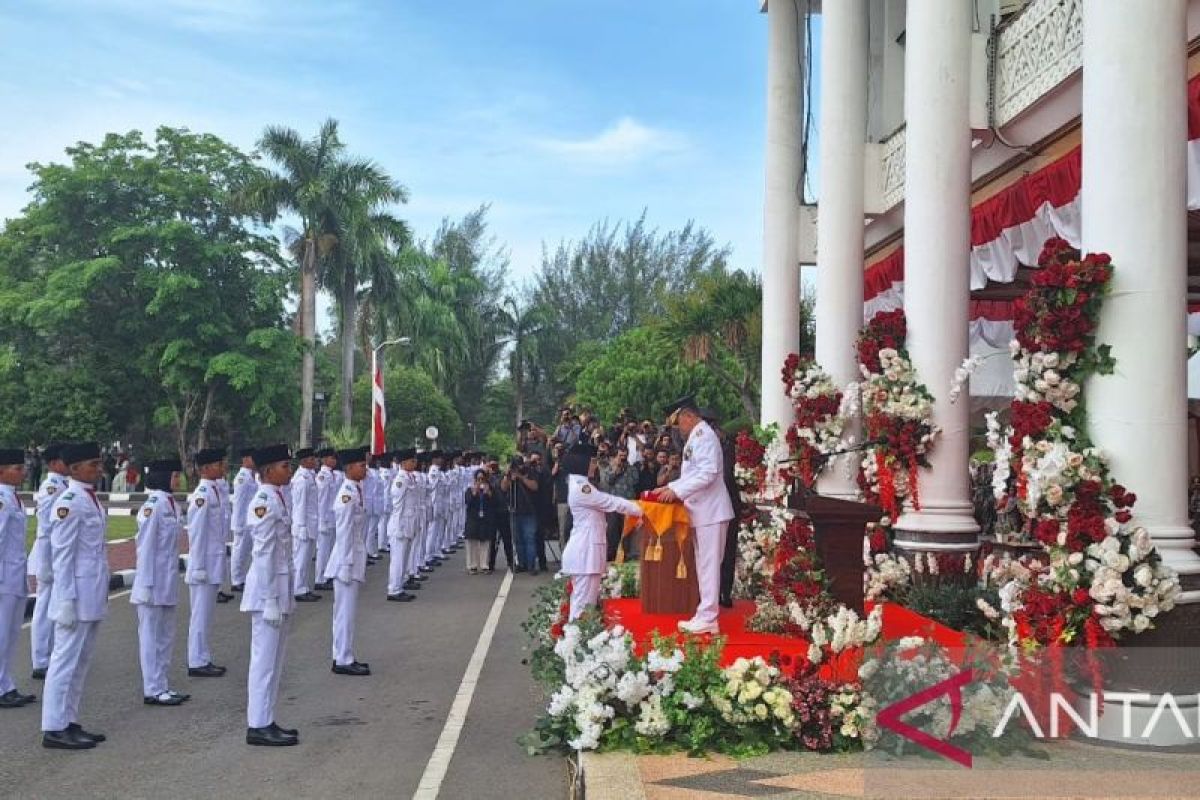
(898, 622)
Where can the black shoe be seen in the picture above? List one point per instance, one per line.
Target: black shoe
(351, 669)
(425, 571)
(14, 699)
(401, 597)
(372, 561)
(183, 696)
(517, 570)
(436, 561)
(209, 670)
(292, 732)
(726, 601)
(67, 740)
(307, 597)
(164, 699)
(533, 573)
(238, 588)
(385, 549)
(223, 597)
(421, 577)
(327, 586)
(75, 727)
(39, 674)
(270, 737)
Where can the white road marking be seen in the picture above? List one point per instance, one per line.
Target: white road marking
(443, 751)
(110, 597)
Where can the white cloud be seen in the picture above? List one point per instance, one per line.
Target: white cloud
(625, 142)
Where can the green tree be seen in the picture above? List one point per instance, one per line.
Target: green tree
(521, 324)
(413, 404)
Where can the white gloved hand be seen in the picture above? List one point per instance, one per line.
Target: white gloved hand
(271, 613)
(636, 511)
(140, 596)
(198, 576)
(344, 575)
(64, 614)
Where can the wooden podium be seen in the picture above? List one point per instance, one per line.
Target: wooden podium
(662, 591)
(839, 527)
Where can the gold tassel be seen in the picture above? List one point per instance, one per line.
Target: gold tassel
(621, 552)
(681, 570)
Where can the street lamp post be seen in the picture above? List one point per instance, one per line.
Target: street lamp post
(378, 409)
(471, 425)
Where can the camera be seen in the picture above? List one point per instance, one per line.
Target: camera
(525, 425)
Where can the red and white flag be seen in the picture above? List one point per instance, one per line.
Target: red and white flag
(378, 411)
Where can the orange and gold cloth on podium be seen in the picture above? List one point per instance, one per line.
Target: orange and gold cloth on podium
(659, 520)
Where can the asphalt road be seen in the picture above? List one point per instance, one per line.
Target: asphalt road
(360, 737)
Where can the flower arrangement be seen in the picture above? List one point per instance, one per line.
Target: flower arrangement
(1100, 575)
(817, 430)
(620, 580)
(758, 539)
(761, 467)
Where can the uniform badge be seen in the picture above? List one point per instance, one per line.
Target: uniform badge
(687, 454)
(50, 490)
(147, 512)
(199, 502)
(586, 489)
(62, 512)
(260, 511)
(345, 498)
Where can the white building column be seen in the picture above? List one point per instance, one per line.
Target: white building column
(937, 244)
(1134, 208)
(842, 143)
(781, 207)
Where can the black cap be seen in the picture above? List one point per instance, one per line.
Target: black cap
(210, 455)
(247, 452)
(163, 465)
(577, 460)
(11, 455)
(405, 454)
(432, 454)
(352, 456)
(303, 452)
(685, 403)
(425, 457)
(52, 451)
(708, 415)
(80, 451)
(271, 454)
(325, 452)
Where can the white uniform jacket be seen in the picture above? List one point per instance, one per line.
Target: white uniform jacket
(585, 553)
(77, 553)
(701, 482)
(206, 534)
(39, 555)
(327, 486)
(304, 514)
(222, 487)
(158, 549)
(407, 494)
(245, 484)
(12, 544)
(270, 576)
(350, 544)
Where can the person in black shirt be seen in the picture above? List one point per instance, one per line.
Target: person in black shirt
(520, 487)
(562, 510)
(502, 518)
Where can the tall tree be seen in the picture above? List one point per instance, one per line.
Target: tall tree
(304, 186)
(521, 323)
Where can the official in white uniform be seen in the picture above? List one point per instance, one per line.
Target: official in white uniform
(328, 485)
(78, 598)
(222, 486)
(245, 484)
(347, 567)
(12, 574)
(206, 560)
(268, 596)
(701, 488)
(584, 557)
(403, 524)
(41, 629)
(156, 581)
(373, 487)
(306, 520)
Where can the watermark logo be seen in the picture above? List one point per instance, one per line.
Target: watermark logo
(952, 687)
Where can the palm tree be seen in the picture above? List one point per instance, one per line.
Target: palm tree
(521, 324)
(302, 187)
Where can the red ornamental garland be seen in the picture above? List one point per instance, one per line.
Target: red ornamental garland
(797, 574)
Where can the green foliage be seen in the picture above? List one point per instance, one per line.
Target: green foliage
(499, 444)
(413, 404)
(954, 603)
(643, 370)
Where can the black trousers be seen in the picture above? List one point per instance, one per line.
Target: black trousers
(729, 559)
(504, 536)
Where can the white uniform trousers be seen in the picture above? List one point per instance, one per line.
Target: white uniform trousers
(68, 670)
(585, 592)
(239, 557)
(41, 629)
(710, 548)
(345, 611)
(268, 646)
(156, 638)
(324, 548)
(204, 603)
(12, 614)
(416, 551)
(373, 535)
(477, 553)
(398, 565)
(433, 537)
(302, 564)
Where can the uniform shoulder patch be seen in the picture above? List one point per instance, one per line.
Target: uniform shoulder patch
(50, 489)
(152, 499)
(69, 496)
(699, 432)
(260, 511)
(146, 512)
(202, 489)
(261, 496)
(586, 488)
(345, 498)
(687, 454)
(62, 512)
(199, 502)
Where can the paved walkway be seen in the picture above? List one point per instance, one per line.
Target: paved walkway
(361, 737)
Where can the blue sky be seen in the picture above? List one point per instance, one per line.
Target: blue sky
(557, 112)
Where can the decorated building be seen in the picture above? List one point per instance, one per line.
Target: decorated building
(953, 139)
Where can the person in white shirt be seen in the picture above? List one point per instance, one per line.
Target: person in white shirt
(245, 484)
(347, 565)
(305, 517)
(12, 574)
(41, 629)
(206, 559)
(701, 489)
(329, 482)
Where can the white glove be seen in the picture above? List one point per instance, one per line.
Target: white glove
(344, 575)
(636, 511)
(140, 596)
(64, 614)
(271, 613)
(199, 576)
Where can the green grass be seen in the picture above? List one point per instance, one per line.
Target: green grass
(118, 528)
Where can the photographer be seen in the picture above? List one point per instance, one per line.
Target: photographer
(560, 478)
(481, 522)
(568, 431)
(521, 491)
(502, 519)
(543, 503)
(532, 439)
(619, 479)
